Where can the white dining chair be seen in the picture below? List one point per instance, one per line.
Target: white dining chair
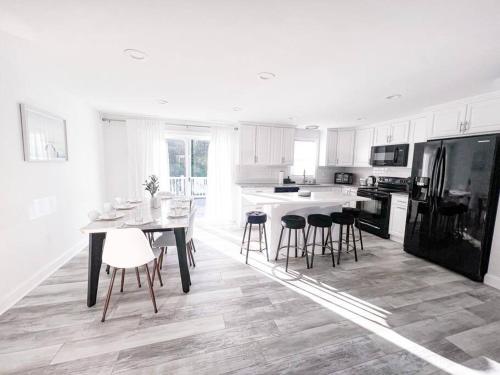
(161, 244)
(127, 248)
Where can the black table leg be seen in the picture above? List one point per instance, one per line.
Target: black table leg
(96, 241)
(180, 240)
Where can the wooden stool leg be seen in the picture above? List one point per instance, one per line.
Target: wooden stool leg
(265, 239)
(305, 247)
(306, 237)
(360, 236)
(279, 244)
(354, 243)
(296, 244)
(248, 243)
(151, 292)
(288, 249)
(243, 240)
(314, 245)
(138, 277)
(260, 239)
(123, 280)
(108, 297)
(323, 241)
(331, 244)
(340, 243)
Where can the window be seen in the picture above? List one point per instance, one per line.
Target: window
(305, 158)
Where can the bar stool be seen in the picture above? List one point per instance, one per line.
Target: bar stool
(259, 218)
(342, 219)
(292, 222)
(355, 212)
(324, 222)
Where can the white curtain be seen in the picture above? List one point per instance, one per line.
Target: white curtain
(147, 155)
(220, 175)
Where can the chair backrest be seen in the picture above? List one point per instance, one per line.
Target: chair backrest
(190, 230)
(126, 248)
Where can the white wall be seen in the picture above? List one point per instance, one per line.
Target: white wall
(33, 245)
(493, 276)
(115, 159)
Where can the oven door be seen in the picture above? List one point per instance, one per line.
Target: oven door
(374, 215)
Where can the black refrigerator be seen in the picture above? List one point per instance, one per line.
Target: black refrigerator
(453, 202)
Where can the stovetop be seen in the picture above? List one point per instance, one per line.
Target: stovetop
(387, 185)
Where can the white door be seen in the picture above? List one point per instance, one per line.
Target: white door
(345, 147)
(263, 145)
(331, 144)
(362, 149)
(400, 131)
(275, 146)
(382, 134)
(288, 139)
(483, 116)
(247, 144)
(447, 122)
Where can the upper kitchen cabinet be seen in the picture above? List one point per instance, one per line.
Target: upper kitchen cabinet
(447, 121)
(392, 133)
(483, 115)
(345, 147)
(363, 145)
(265, 145)
(328, 147)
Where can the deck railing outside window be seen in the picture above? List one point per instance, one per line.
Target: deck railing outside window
(190, 186)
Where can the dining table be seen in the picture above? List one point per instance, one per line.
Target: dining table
(154, 220)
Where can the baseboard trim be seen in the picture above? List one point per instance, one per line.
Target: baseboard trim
(492, 280)
(27, 286)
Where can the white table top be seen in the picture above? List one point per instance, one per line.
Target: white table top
(323, 197)
(159, 216)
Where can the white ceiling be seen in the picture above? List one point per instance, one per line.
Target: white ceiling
(335, 61)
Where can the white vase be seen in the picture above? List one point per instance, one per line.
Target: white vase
(155, 202)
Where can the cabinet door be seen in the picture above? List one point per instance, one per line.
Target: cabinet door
(447, 121)
(263, 145)
(247, 144)
(419, 133)
(345, 147)
(331, 147)
(382, 134)
(288, 140)
(275, 146)
(397, 221)
(399, 132)
(483, 116)
(362, 149)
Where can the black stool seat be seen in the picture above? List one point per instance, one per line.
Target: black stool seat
(319, 220)
(351, 211)
(256, 217)
(293, 222)
(342, 218)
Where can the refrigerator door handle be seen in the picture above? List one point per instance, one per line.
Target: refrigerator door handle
(442, 173)
(433, 179)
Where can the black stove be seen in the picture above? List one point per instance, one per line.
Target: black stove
(374, 215)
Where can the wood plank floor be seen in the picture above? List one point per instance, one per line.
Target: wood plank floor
(389, 313)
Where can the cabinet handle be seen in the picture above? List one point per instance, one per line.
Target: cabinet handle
(466, 127)
(255, 158)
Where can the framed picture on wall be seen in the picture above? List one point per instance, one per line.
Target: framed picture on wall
(44, 135)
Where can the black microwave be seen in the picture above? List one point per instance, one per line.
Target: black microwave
(390, 155)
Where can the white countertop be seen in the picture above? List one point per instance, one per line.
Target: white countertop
(271, 184)
(324, 197)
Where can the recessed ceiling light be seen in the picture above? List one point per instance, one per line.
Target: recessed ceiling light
(394, 96)
(361, 118)
(266, 75)
(237, 109)
(135, 54)
(162, 101)
(312, 127)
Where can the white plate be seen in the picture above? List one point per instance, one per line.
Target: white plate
(134, 201)
(173, 216)
(104, 217)
(132, 222)
(124, 206)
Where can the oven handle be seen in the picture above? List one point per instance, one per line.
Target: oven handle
(370, 225)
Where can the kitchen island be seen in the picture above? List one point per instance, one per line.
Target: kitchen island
(276, 205)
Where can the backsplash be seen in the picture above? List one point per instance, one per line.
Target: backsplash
(378, 171)
(256, 174)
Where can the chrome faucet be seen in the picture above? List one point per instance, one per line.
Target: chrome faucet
(304, 182)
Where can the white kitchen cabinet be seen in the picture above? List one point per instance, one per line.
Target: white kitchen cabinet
(382, 134)
(263, 145)
(483, 115)
(418, 133)
(345, 147)
(397, 220)
(287, 145)
(392, 133)
(247, 144)
(328, 147)
(275, 146)
(448, 121)
(362, 148)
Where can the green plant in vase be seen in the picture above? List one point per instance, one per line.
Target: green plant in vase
(152, 185)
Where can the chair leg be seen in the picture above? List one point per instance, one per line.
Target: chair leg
(108, 297)
(157, 268)
(314, 245)
(340, 243)
(248, 243)
(306, 238)
(331, 244)
(323, 241)
(354, 244)
(265, 239)
(190, 249)
(151, 292)
(279, 244)
(296, 244)
(123, 280)
(138, 277)
(260, 238)
(360, 236)
(194, 247)
(161, 257)
(305, 247)
(288, 249)
(107, 269)
(243, 240)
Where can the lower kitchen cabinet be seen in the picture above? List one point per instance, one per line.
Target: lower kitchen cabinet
(397, 221)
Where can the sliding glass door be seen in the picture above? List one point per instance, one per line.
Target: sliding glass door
(187, 160)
